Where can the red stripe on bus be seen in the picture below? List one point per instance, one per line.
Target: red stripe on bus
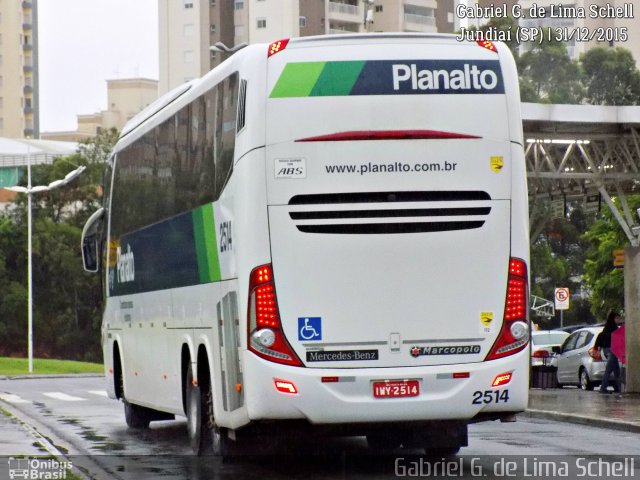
(388, 135)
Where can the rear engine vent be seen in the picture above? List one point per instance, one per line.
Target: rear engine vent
(378, 197)
(412, 212)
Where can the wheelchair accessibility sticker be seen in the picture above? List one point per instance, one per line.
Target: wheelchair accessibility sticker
(309, 328)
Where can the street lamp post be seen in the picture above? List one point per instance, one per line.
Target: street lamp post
(30, 190)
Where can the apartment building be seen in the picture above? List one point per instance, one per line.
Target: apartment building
(189, 27)
(18, 69)
(126, 97)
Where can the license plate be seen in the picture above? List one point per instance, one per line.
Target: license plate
(396, 389)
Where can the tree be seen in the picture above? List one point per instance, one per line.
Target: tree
(548, 75)
(557, 260)
(605, 281)
(610, 76)
(67, 300)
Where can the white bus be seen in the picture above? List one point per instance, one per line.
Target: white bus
(329, 232)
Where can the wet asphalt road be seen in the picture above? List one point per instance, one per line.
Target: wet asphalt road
(74, 417)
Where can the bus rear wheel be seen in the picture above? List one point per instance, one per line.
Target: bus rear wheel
(221, 442)
(136, 416)
(380, 441)
(197, 420)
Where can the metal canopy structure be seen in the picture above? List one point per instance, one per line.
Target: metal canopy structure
(582, 152)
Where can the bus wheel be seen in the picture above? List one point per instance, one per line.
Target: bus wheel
(442, 452)
(136, 416)
(383, 442)
(221, 442)
(196, 421)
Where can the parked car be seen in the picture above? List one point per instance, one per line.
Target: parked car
(573, 328)
(579, 363)
(542, 343)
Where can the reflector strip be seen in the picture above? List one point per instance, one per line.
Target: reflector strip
(388, 135)
(501, 379)
(285, 386)
(461, 375)
(330, 379)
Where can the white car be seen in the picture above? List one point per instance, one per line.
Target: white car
(542, 343)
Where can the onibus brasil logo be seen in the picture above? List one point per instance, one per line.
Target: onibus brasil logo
(38, 468)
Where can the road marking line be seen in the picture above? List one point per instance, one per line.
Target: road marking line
(11, 398)
(63, 396)
(101, 393)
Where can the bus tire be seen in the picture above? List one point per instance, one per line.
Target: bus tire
(197, 422)
(136, 416)
(383, 442)
(442, 452)
(221, 443)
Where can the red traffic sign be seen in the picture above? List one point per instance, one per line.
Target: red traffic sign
(561, 298)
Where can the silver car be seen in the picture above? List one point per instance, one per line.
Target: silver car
(579, 363)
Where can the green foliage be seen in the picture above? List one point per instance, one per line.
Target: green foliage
(605, 282)
(548, 75)
(610, 76)
(557, 260)
(67, 302)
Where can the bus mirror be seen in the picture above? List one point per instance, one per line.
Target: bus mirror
(91, 242)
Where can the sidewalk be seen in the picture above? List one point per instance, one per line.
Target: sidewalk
(619, 411)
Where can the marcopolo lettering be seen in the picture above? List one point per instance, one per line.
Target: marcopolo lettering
(468, 78)
(445, 350)
(125, 265)
(341, 355)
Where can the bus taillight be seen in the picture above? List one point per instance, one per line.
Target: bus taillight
(514, 333)
(266, 338)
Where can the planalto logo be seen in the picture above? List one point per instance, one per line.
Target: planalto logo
(389, 77)
(469, 77)
(125, 265)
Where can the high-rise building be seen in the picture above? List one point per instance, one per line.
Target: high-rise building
(18, 69)
(189, 27)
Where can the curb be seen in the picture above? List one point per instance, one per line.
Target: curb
(583, 420)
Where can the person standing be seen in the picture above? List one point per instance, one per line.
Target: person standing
(604, 343)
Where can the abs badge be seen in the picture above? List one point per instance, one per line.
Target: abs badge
(496, 162)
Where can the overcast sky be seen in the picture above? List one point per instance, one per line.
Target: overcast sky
(83, 43)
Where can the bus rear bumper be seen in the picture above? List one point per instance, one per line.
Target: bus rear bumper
(346, 395)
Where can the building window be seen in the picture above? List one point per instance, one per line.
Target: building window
(303, 22)
(188, 30)
(378, 8)
(212, 28)
(262, 23)
(188, 3)
(239, 4)
(189, 56)
(213, 3)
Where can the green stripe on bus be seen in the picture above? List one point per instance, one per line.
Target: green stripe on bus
(201, 251)
(337, 79)
(297, 79)
(206, 244)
